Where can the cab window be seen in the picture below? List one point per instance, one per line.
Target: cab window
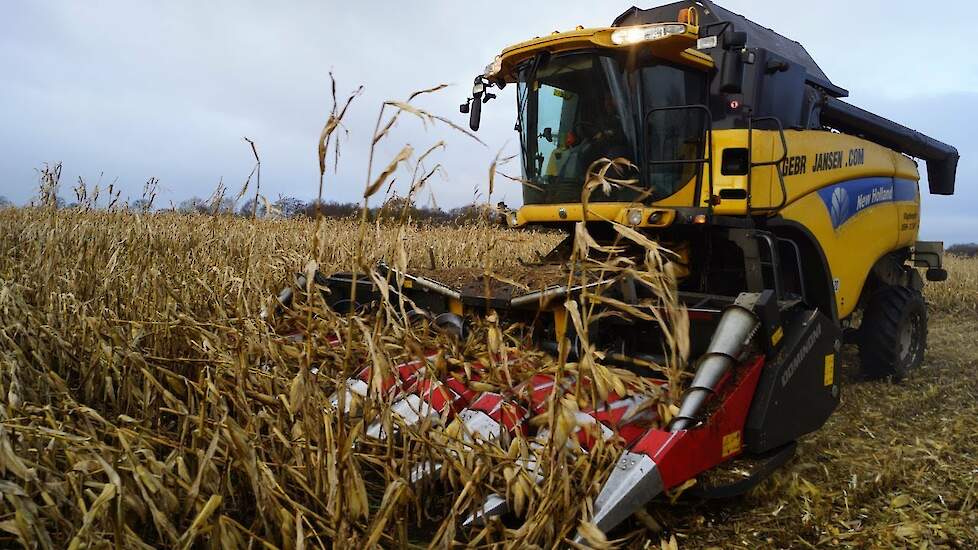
(674, 135)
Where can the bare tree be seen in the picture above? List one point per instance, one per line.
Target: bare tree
(289, 207)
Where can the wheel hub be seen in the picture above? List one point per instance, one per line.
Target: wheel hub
(909, 340)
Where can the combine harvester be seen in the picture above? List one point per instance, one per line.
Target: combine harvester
(790, 210)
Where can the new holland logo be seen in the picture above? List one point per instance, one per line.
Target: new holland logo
(848, 198)
(840, 206)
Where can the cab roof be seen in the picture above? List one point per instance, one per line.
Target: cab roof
(712, 16)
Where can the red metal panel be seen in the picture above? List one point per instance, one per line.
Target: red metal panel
(685, 454)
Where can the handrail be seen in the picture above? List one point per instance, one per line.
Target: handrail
(776, 163)
(775, 263)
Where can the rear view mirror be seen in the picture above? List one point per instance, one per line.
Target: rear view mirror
(732, 71)
(475, 109)
(475, 113)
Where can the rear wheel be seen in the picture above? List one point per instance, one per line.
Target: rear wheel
(893, 335)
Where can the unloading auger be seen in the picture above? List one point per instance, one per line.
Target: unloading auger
(791, 214)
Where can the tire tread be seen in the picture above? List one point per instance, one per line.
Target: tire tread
(879, 333)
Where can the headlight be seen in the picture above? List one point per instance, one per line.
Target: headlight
(495, 67)
(635, 217)
(644, 33)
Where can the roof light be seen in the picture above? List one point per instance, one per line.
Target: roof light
(645, 33)
(707, 42)
(495, 67)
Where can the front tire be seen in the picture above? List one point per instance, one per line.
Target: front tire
(893, 335)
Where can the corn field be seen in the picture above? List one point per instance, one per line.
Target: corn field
(146, 403)
(156, 394)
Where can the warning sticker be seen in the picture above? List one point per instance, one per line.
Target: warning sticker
(829, 369)
(731, 444)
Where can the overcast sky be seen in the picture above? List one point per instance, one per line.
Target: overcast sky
(130, 89)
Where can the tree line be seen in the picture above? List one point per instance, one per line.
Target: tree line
(292, 207)
(968, 250)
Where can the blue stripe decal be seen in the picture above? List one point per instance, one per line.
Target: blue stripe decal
(848, 198)
(904, 190)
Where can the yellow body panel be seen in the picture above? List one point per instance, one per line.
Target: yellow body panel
(684, 197)
(841, 157)
(815, 160)
(604, 211)
(678, 48)
(851, 250)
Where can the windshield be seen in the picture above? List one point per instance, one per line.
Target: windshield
(577, 108)
(574, 110)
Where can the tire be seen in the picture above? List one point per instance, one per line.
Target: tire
(893, 335)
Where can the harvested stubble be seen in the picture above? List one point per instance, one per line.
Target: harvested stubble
(145, 403)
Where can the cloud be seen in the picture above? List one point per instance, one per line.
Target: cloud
(133, 90)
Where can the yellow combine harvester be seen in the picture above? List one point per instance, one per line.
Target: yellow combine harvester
(790, 211)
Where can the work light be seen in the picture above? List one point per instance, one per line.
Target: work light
(644, 33)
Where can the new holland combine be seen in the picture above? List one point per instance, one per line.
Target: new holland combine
(791, 213)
